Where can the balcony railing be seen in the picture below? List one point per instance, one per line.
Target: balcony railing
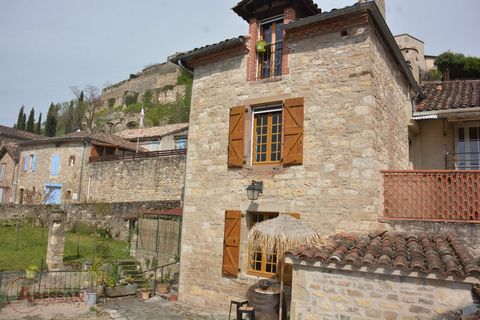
(447, 196)
(138, 155)
(270, 62)
(462, 161)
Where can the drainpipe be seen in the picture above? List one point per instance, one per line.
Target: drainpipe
(85, 142)
(180, 63)
(16, 182)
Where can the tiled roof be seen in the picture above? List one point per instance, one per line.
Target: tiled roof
(428, 253)
(12, 149)
(100, 137)
(152, 132)
(18, 134)
(447, 95)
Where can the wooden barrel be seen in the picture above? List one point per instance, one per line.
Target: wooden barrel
(266, 301)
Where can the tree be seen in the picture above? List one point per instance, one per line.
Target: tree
(89, 102)
(31, 121)
(38, 127)
(458, 66)
(51, 122)
(20, 116)
(23, 122)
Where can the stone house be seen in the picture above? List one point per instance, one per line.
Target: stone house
(15, 135)
(8, 164)
(55, 170)
(314, 105)
(161, 138)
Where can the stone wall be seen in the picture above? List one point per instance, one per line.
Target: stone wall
(160, 79)
(346, 144)
(9, 179)
(152, 179)
(110, 216)
(320, 293)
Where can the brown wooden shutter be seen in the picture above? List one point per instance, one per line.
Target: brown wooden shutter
(236, 137)
(231, 242)
(293, 131)
(295, 215)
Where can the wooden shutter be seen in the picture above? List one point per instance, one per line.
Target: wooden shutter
(236, 137)
(293, 131)
(295, 215)
(231, 243)
(34, 163)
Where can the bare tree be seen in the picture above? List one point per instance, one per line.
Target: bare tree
(89, 100)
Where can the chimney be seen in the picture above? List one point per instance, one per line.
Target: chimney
(380, 5)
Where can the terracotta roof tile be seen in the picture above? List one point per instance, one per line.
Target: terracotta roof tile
(18, 134)
(152, 132)
(447, 95)
(428, 253)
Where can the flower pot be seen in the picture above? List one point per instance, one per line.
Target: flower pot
(145, 295)
(261, 46)
(91, 299)
(173, 297)
(163, 288)
(30, 274)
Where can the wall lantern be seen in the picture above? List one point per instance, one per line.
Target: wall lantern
(254, 190)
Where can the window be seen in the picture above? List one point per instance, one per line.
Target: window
(468, 148)
(2, 171)
(33, 162)
(181, 142)
(270, 61)
(25, 163)
(71, 161)
(261, 262)
(55, 165)
(267, 135)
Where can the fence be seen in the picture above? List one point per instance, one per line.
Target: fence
(160, 237)
(138, 155)
(447, 196)
(45, 285)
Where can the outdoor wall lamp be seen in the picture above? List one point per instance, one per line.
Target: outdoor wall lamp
(254, 190)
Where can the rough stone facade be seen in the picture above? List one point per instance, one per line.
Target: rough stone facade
(7, 184)
(56, 240)
(356, 104)
(33, 182)
(110, 216)
(152, 179)
(161, 79)
(321, 293)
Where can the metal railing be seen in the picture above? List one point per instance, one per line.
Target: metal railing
(428, 195)
(462, 161)
(15, 286)
(271, 60)
(138, 155)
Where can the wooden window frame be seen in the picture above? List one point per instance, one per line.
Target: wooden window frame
(260, 273)
(270, 110)
(271, 47)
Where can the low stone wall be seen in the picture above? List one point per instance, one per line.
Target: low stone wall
(151, 179)
(321, 293)
(468, 232)
(110, 216)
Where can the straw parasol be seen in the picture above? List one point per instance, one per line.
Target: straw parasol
(282, 234)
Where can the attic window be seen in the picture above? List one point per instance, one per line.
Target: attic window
(71, 161)
(270, 59)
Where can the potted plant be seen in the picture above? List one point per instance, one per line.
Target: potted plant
(163, 286)
(117, 287)
(261, 46)
(31, 271)
(145, 292)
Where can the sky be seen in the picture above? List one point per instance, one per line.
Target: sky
(48, 46)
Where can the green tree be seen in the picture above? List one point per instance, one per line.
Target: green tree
(458, 66)
(51, 122)
(38, 127)
(31, 121)
(21, 121)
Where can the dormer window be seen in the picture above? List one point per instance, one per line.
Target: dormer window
(270, 61)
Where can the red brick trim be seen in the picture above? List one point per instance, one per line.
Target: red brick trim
(252, 53)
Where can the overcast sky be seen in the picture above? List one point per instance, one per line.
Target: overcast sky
(47, 46)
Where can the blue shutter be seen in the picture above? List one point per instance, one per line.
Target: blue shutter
(34, 163)
(25, 163)
(55, 165)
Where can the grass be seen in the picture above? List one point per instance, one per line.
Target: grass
(32, 247)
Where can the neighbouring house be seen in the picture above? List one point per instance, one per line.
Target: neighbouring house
(314, 105)
(385, 275)
(56, 170)
(15, 135)
(168, 137)
(9, 155)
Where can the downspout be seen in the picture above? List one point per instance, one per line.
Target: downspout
(181, 65)
(85, 142)
(17, 164)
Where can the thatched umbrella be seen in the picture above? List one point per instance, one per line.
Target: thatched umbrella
(282, 234)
